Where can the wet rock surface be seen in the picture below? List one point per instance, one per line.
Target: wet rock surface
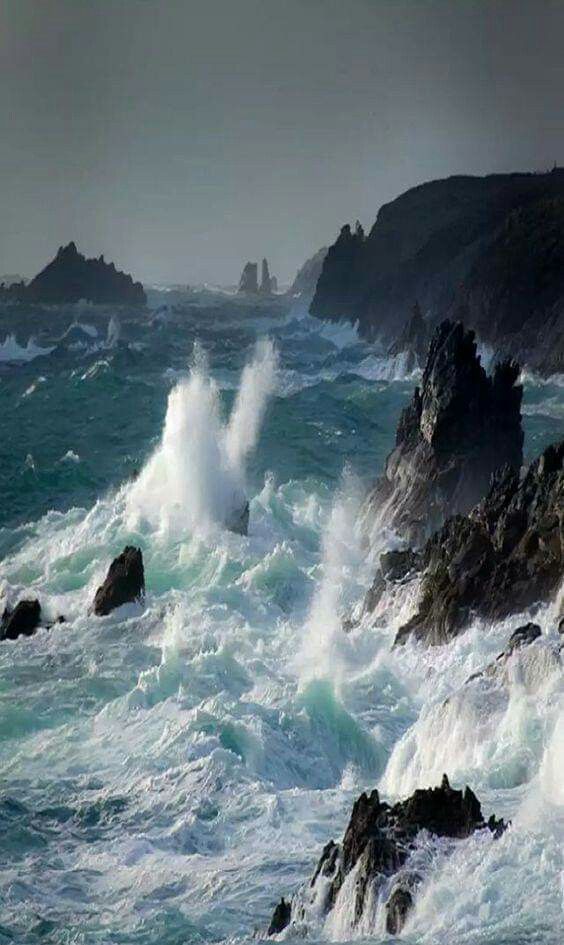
(459, 428)
(23, 620)
(125, 582)
(505, 556)
(378, 843)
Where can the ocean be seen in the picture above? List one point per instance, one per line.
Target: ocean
(169, 771)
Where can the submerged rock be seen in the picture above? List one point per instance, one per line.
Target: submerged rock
(378, 844)
(505, 556)
(459, 428)
(125, 582)
(23, 620)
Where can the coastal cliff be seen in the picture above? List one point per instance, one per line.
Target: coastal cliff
(493, 245)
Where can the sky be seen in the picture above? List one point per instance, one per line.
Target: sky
(183, 137)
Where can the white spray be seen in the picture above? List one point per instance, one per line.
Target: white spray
(196, 477)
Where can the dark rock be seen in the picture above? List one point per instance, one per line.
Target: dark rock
(505, 556)
(23, 620)
(561, 625)
(305, 283)
(395, 567)
(494, 243)
(398, 906)
(523, 636)
(413, 340)
(238, 522)
(268, 283)
(249, 279)
(125, 582)
(71, 277)
(380, 839)
(280, 917)
(456, 432)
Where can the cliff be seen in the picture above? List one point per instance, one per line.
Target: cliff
(71, 277)
(494, 244)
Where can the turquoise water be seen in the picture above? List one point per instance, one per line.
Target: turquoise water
(170, 770)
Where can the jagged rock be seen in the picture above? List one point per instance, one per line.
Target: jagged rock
(413, 340)
(71, 277)
(268, 283)
(306, 277)
(280, 917)
(23, 620)
(238, 522)
(379, 842)
(505, 556)
(394, 567)
(459, 428)
(495, 242)
(125, 582)
(249, 279)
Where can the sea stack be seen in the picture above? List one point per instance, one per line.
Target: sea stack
(248, 283)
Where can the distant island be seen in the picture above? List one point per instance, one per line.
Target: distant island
(71, 277)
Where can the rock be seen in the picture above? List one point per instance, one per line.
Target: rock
(280, 917)
(505, 556)
(71, 277)
(459, 428)
(125, 582)
(23, 620)
(413, 340)
(395, 567)
(398, 906)
(561, 625)
(378, 844)
(494, 243)
(238, 522)
(268, 283)
(249, 279)
(523, 636)
(305, 283)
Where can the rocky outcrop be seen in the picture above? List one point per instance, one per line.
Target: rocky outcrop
(268, 283)
(495, 243)
(413, 342)
(459, 428)
(502, 558)
(71, 277)
(248, 283)
(305, 283)
(378, 845)
(125, 582)
(23, 620)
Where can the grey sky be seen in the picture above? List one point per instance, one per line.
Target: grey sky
(181, 138)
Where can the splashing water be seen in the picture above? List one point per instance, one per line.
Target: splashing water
(196, 478)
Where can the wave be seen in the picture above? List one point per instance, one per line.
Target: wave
(196, 478)
(11, 351)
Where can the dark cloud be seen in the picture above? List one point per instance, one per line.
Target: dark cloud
(181, 138)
